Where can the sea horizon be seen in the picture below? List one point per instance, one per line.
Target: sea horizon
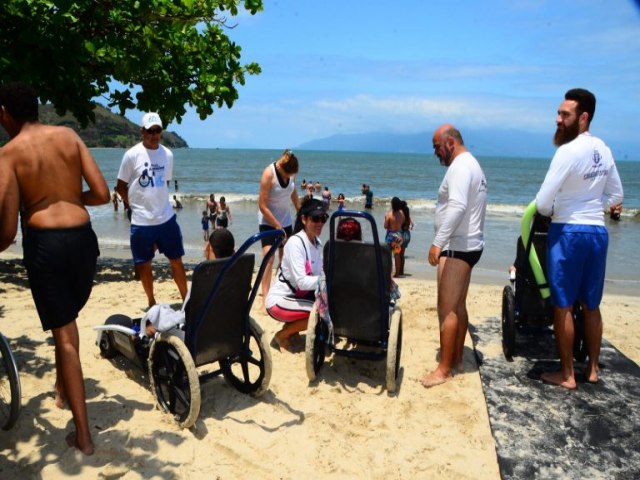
(235, 174)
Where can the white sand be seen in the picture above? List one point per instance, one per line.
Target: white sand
(346, 426)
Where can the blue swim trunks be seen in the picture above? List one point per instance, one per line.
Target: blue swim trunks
(166, 237)
(576, 263)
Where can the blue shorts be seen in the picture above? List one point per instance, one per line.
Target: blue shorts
(166, 237)
(576, 263)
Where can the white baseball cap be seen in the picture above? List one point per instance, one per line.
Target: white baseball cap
(151, 119)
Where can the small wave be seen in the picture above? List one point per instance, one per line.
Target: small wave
(357, 201)
(193, 198)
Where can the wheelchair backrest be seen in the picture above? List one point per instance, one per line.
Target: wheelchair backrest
(353, 285)
(216, 329)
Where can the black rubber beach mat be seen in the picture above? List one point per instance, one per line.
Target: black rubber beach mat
(542, 431)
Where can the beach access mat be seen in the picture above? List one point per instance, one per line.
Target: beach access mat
(547, 432)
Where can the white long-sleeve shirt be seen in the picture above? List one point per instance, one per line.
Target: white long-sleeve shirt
(294, 258)
(461, 207)
(581, 182)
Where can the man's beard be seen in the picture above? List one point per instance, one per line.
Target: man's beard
(445, 160)
(566, 134)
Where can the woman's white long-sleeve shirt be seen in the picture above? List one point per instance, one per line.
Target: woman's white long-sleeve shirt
(293, 263)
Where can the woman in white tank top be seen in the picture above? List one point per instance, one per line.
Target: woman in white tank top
(277, 193)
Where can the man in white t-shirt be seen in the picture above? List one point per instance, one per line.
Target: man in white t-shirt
(457, 246)
(143, 184)
(581, 182)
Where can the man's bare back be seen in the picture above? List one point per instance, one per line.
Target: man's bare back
(41, 174)
(49, 164)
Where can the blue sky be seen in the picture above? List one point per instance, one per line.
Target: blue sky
(340, 67)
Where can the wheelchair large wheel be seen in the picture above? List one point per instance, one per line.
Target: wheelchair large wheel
(250, 371)
(9, 386)
(106, 343)
(394, 347)
(315, 347)
(579, 344)
(174, 379)
(508, 322)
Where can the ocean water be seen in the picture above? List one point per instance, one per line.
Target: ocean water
(512, 184)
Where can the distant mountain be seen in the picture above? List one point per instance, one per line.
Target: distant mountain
(508, 143)
(109, 130)
(481, 142)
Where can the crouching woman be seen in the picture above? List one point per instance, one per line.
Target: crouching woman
(291, 296)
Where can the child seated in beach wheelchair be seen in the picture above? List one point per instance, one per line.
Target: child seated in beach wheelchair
(355, 314)
(178, 349)
(526, 300)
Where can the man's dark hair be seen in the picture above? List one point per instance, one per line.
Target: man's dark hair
(222, 242)
(453, 132)
(308, 207)
(585, 99)
(20, 100)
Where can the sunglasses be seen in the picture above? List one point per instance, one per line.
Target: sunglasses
(154, 131)
(319, 218)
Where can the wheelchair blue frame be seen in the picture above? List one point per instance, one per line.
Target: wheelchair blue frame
(279, 238)
(378, 330)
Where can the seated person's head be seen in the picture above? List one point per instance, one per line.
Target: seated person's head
(349, 229)
(309, 208)
(221, 244)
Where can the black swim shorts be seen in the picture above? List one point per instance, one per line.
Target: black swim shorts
(470, 257)
(271, 240)
(61, 264)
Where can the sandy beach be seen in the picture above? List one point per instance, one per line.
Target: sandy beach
(345, 426)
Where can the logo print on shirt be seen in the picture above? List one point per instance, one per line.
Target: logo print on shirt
(145, 179)
(597, 172)
(597, 158)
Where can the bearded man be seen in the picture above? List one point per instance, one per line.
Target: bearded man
(581, 182)
(456, 247)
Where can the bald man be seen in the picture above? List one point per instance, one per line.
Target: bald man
(457, 246)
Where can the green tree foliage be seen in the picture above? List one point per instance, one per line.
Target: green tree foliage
(164, 54)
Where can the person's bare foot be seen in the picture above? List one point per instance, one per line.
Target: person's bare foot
(60, 399)
(434, 378)
(281, 342)
(72, 441)
(557, 378)
(458, 369)
(592, 376)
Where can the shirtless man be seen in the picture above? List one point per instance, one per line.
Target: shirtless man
(41, 173)
(457, 246)
(393, 222)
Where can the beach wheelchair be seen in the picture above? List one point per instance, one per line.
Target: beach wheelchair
(526, 300)
(218, 328)
(10, 389)
(365, 323)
